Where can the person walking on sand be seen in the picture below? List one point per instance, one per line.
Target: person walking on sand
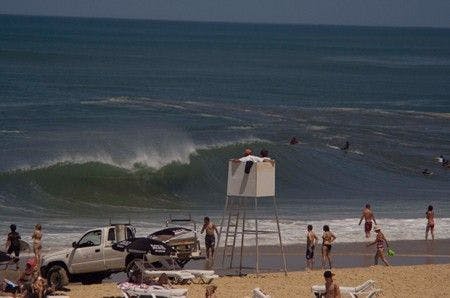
(13, 244)
(37, 246)
(311, 241)
(327, 239)
(331, 288)
(379, 241)
(368, 217)
(430, 223)
(210, 239)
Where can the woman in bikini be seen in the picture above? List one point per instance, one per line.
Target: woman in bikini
(327, 238)
(37, 247)
(430, 223)
(379, 241)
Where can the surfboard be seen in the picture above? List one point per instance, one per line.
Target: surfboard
(24, 246)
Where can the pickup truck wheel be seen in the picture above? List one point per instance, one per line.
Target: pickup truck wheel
(57, 276)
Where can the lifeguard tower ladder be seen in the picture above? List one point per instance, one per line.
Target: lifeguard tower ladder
(243, 192)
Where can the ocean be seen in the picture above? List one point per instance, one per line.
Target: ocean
(107, 119)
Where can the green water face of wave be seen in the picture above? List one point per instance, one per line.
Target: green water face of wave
(199, 182)
(99, 183)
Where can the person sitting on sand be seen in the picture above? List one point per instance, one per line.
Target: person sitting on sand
(430, 223)
(210, 291)
(41, 288)
(37, 247)
(327, 239)
(210, 239)
(30, 274)
(13, 244)
(163, 281)
(331, 288)
(368, 216)
(379, 241)
(311, 241)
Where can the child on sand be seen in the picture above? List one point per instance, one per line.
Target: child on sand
(331, 288)
(13, 244)
(327, 239)
(379, 241)
(210, 239)
(430, 222)
(311, 241)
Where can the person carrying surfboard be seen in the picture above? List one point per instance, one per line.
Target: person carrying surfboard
(13, 244)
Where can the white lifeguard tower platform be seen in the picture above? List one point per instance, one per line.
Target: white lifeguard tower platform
(243, 192)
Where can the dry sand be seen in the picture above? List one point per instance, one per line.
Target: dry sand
(395, 281)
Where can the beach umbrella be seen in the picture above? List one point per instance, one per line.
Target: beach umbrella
(144, 246)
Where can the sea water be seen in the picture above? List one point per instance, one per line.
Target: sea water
(135, 120)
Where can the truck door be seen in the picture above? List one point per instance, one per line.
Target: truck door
(88, 254)
(114, 259)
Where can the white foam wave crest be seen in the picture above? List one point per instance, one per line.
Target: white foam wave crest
(154, 158)
(347, 230)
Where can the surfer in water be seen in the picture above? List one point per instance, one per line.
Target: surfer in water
(293, 141)
(368, 217)
(13, 244)
(346, 146)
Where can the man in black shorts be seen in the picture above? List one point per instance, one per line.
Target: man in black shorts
(311, 240)
(210, 239)
(13, 244)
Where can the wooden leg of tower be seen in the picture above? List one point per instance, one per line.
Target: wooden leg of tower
(235, 233)
(221, 228)
(242, 236)
(256, 236)
(283, 256)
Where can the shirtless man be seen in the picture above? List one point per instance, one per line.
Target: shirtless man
(210, 239)
(331, 289)
(368, 216)
(311, 241)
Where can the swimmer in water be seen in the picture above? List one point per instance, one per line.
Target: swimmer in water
(346, 146)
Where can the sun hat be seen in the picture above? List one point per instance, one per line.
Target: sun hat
(377, 228)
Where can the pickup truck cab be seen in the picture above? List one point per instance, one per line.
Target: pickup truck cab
(91, 258)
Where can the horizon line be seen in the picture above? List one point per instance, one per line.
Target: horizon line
(226, 22)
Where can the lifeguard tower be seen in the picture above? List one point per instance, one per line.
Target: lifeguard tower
(241, 210)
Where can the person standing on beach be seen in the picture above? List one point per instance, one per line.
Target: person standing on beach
(430, 222)
(210, 238)
(331, 289)
(379, 241)
(13, 244)
(37, 246)
(368, 216)
(327, 239)
(311, 241)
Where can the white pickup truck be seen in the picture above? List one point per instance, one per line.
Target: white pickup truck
(91, 259)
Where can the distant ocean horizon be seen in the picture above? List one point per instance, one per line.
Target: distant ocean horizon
(136, 119)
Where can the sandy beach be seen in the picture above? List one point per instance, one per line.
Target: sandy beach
(421, 269)
(395, 281)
